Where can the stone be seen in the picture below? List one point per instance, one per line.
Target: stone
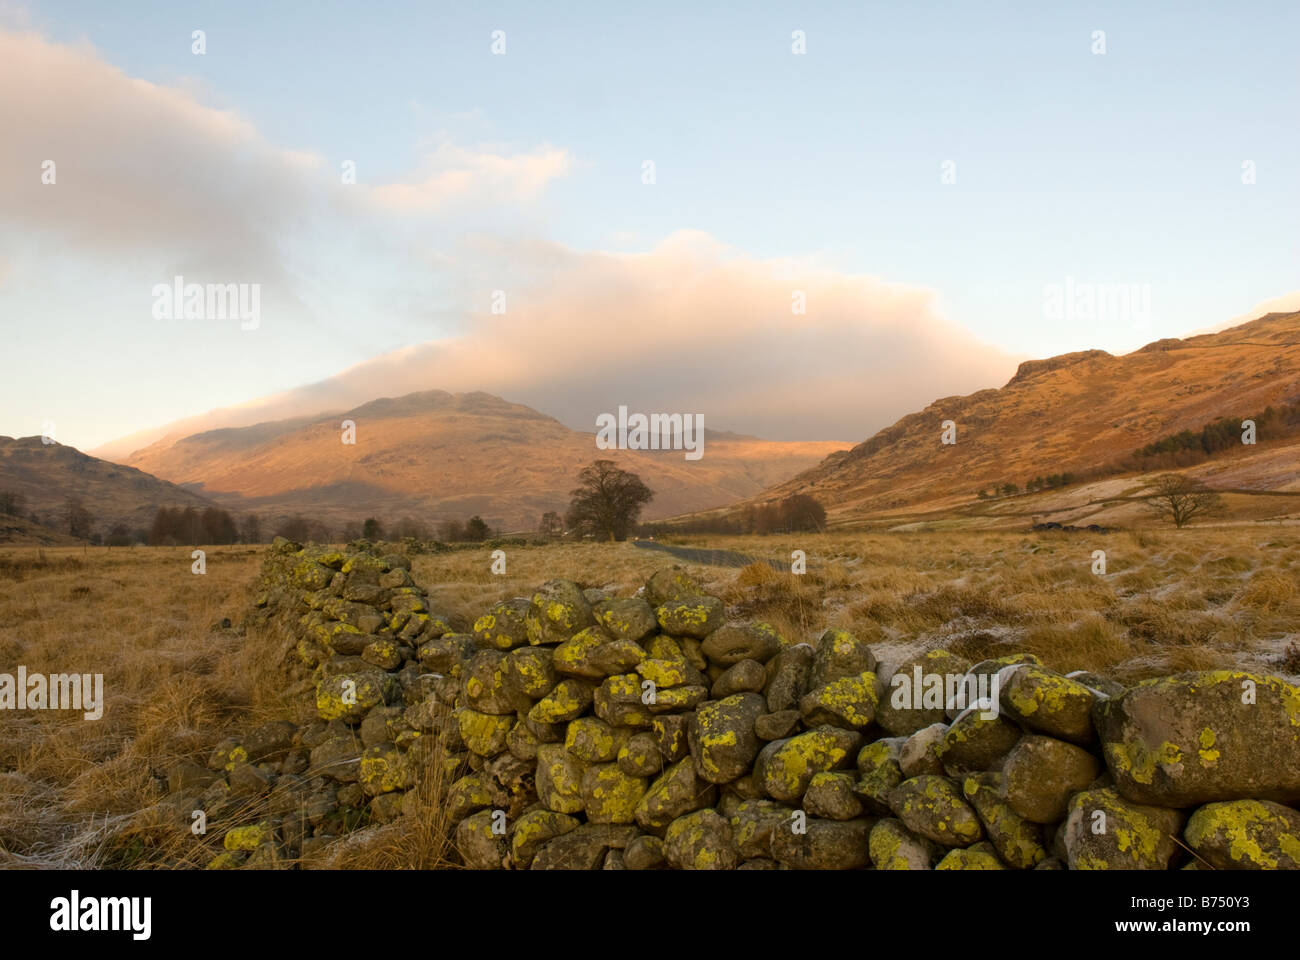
(1246, 835)
(847, 702)
(630, 618)
(1018, 842)
(690, 617)
(1041, 774)
(730, 643)
(830, 796)
(784, 768)
(977, 740)
(676, 792)
(744, 676)
(840, 654)
(920, 751)
(1048, 703)
(722, 738)
(934, 808)
(824, 845)
(1199, 738)
(893, 847)
(700, 840)
(1103, 831)
(556, 612)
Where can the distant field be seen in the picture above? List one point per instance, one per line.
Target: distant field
(1169, 601)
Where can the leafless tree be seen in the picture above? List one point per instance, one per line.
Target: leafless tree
(1180, 499)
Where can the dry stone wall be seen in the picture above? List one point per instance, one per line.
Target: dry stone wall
(579, 730)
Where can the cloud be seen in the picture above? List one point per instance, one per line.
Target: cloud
(689, 327)
(457, 174)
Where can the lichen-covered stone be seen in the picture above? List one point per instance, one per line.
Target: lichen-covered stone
(559, 778)
(349, 696)
(484, 685)
(934, 808)
(583, 848)
(567, 700)
(879, 772)
(676, 792)
(898, 711)
(977, 740)
(467, 795)
(384, 769)
(630, 618)
(670, 583)
(1042, 773)
(752, 824)
(478, 843)
(484, 733)
(969, 859)
(840, 654)
(556, 612)
(645, 853)
(1246, 835)
(823, 844)
(729, 643)
(593, 740)
(1203, 737)
(920, 751)
(722, 737)
(1019, 843)
(609, 795)
(784, 768)
(1103, 831)
(830, 796)
(700, 840)
(845, 702)
(504, 626)
(532, 830)
(690, 616)
(893, 847)
(1048, 702)
(744, 676)
(640, 756)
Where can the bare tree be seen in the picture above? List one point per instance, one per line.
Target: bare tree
(1181, 499)
(607, 501)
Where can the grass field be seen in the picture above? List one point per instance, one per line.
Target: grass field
(1169, 601)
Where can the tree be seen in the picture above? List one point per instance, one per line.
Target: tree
(372, 529)
(251, 528)
(77, 518)
(607, 500)
(551, 525)
(476, 530)
(12, 504)
(802, 513)
(1181, 499)
(451, 531)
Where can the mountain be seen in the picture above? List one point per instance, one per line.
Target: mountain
(435, 456)
(46, 475)
(1078, 413)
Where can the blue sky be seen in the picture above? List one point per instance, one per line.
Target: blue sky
(1122, 168)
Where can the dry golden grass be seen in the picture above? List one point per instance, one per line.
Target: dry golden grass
(1170, 601)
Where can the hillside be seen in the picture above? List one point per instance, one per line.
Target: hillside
(437, 455)
(46, 475)
(1075, 413)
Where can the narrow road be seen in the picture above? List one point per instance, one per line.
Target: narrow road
(714, 558)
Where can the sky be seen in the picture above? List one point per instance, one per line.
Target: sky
(932, 178)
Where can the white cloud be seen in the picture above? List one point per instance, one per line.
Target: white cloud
(455, 174)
